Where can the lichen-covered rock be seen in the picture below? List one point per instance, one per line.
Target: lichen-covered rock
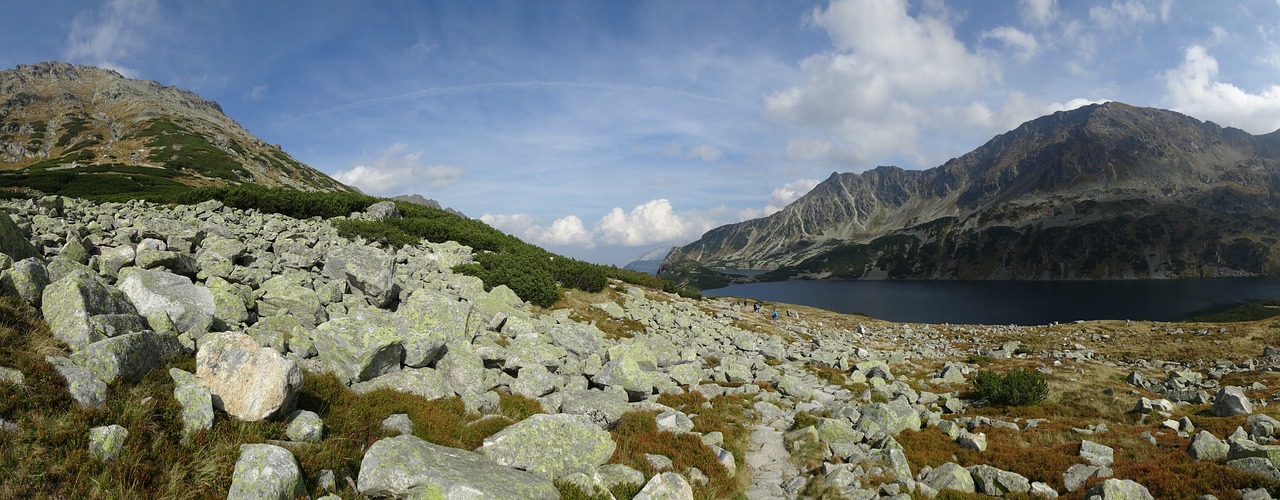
(27, 279)
(624, 372)
(613, 475)
(989, 480)
(1096, 454)
(266, 471)
(604, 408)
(217, 256)
(369, 270)
(196, 402)
(550, 445)
(666, 486)
(12, 242)
(190, 306)
(792, 386)
(70, 305)
(357, 349)
(128, 356)
(1230, 401)
(1119, 489)
(888, 418)
(11, 376)
(248, 381)
(430, 321)
(408, 467)
(534, 381)
(106, 442)
(86, 388)
(281, 296)
(424, 382)
(949, 476)
(463, 370)
(1206, 446)
(304, 427)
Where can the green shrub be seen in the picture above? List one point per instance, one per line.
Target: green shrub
(1017, 387)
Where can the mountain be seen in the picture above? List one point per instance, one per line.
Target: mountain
(1104, 191)
(80, 130)
(649, 262)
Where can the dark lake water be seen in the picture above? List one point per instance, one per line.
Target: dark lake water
(1015, 302)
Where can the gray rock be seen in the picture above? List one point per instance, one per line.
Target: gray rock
(369, 270)
(266, 471)
(1096, 454)
(794, 387)
(71, 304)
(1230, 401)
(113, 260)
(359, 349)
(106, 442)
(27, 279)
(406, 466)
(1257, 466)
(218, 256)
(281, 296)
(550, 445)
(230, 302)
(1206, 446)
(1043, 490)
(383, 210)
(190, 306)
(463, 370)
(534, 381)
(424, 382)
(128, 356)
(431, 321)
(76, 249)
(888, 418)
(196, 402)
(12, 241)
(1078, 474)
(604, 408)
(246, 380)
(176, 262)
(972, 440)
(1119, 489)
(11, 376)
(86, 388)
(949, 476)
(613, 475)
(666, 486)
(659, 462)
(624, 372)
(304, 427)
(989, 480)
(398, 423)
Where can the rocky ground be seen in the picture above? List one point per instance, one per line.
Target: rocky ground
(637, 392)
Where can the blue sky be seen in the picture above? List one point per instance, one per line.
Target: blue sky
(604, 129)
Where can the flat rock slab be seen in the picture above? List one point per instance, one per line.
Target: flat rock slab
(407, 466)
(551, 445)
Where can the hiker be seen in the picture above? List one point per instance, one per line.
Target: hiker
(757, 306)
(775, 315)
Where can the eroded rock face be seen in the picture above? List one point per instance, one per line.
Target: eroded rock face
(408, 467)
(245, 380)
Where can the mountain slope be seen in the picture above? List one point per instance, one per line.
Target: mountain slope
(83, 130)
(1104, 191)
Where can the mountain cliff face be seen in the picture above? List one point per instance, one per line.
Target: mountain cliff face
(1104, 191)
(83, 130)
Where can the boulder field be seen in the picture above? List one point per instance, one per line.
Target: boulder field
(833, 404)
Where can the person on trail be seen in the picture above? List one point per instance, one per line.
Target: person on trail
(757, 309)
(775, 315)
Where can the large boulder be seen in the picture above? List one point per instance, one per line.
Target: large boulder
(86, 388)
(189, 305)
(666, 486)
(12, 241)
(430, 321)
(424, 382)
(282, 296)
(1096, 454)
(266, 471)
(248, 381)
(604, 408)
(1230, 401)
(406, 466)
(624, 371)
(551, 445)
(26, 279)
(1206, 446)
(81, 309)
(888, 418)
(357, 349)
(949, 476)
(989, 480)
(369, 270)
(128, 356)
(1119, 489)
(463, 370)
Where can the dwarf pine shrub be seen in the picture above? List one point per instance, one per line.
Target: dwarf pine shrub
(1017, 387)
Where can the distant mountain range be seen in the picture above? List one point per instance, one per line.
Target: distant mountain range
(80, 130)
(1106, 191)
(649, 262)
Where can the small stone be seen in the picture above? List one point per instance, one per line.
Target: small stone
(106, 442)
(266, 471)
(666, 486)
(305, 427)
(398, 422)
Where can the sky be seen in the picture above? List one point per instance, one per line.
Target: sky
(605, 129)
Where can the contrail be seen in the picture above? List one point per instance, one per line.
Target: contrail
(494, 86)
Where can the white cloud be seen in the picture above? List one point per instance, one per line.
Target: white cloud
(258, 92)
(1194, 88)
(649, 223)
(705, 152)
(780, 197)
(395, 171)
(1024, 43)
(1039, 12)
(807, 149)
(1129, 13)
(875, 92)
(111, 36)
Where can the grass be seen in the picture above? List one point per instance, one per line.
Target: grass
(637, 434)
(48, 455)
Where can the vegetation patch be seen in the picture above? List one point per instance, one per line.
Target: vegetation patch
(1017, 387)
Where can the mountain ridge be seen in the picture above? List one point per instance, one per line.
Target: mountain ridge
(73, 129)
(1071, 170)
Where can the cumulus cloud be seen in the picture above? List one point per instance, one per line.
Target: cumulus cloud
(889, 70)
(395, 170)
(110, 36)
(1128, 13)
(705, 152)
(1024, 43)
(649, 223)
(1039, 12)
(780, 197)
(1194, 88)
